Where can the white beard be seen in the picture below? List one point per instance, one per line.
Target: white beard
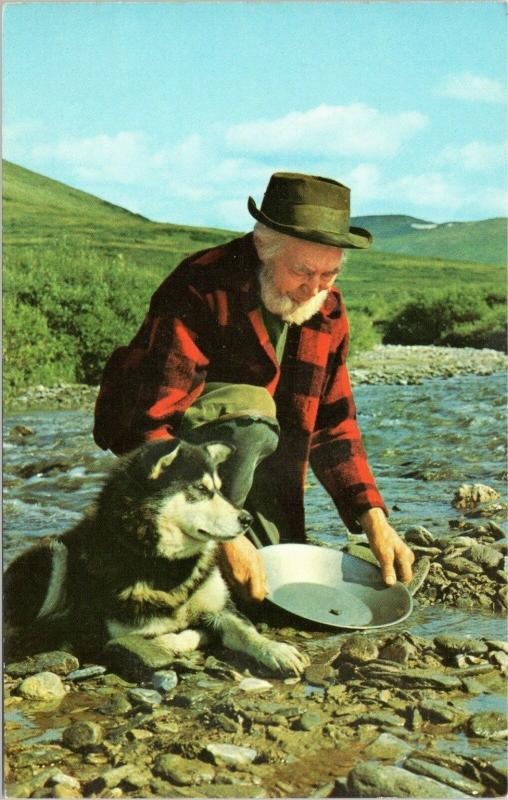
(282, 305)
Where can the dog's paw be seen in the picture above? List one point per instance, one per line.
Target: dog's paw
(283, 657)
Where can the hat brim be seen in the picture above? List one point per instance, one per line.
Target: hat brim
(356, 238)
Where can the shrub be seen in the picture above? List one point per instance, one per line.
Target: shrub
(459, 318)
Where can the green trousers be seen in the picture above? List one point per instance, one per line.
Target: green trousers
(245, 417)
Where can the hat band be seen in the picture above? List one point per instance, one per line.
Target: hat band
(306, 215)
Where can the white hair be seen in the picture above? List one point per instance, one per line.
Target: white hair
(269, 242)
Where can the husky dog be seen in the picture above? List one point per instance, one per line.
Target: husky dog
(142, 561)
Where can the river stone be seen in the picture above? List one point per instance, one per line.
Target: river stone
(455, 644)
(469, 495)
(164, 680)
(420, 572)
(398, 650)
(485, 556)
(81, 735)
(376, 780)
(380, 718)
(497, 644)
(388, 747)
(460, 565)
(148, 698)
(87, 672)
(56, 661)
(183, 771)
(310, 720)
(60, 778)
(111, 778)
(44, 686)
(116, 706)
(231, 755)
(503, 596)
(488, 725)
(359, 649)
(136, 658)
(451, 778)
(439, 713)
(254, 685)
(419, 535)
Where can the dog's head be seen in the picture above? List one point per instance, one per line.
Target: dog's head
(173, 504)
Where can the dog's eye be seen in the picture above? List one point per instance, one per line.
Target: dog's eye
(203, 489)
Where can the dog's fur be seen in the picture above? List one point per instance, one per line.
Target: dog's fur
(142, 561)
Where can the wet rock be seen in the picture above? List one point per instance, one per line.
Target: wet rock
(319, 674)
(148, 698)
(485, 556)
(388, 747)
(420, 536)
(111, 778)
(135, 658)
(230, 755)
(22, 430)
(183, 771)
(45, 686)
(460, 565)
(376, 780)
(443, 775)
(488, 725)
(447, 643)
(438, 712)
(379, 718)
(309, 721)
(254, 685)
(57, 661)
(398, 650)
(497, 644)
(117, 705)
(164, 680)
(82, 735)
(420, 572)
(469, 495)
(41, 755)
(85, 673)
(359, 649)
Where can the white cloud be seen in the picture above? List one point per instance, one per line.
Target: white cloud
(431, 189)
(122, 158)
(475, 88)
(354, 130)
(474, 156)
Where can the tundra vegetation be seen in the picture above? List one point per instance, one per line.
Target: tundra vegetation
(79, 272)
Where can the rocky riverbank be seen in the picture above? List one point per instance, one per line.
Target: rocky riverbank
(392, 364)
(374, 715)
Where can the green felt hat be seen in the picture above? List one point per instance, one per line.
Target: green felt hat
(309, 207)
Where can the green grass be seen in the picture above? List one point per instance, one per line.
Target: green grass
(78, 274)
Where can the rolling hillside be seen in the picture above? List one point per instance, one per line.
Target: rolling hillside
(483, 241)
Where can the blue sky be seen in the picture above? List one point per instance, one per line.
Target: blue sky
(179, 111)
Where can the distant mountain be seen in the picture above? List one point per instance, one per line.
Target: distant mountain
(484, 241)
(37, 208)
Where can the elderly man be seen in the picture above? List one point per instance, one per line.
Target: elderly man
(247, 343)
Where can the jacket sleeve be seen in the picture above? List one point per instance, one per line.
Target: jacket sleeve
(337, 454)
(148, 385)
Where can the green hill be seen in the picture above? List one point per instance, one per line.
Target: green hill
(483, 241)
(79, 271)
(37, 210)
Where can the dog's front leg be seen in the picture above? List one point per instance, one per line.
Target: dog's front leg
(240, 635)
(184, 642)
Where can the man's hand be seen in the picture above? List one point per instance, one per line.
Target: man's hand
(243, 569)
(394, 556)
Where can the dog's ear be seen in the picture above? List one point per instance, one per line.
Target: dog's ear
(219, 451)
(163, 463)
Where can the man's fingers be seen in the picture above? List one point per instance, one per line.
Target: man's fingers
(405, 563)
(258, 582)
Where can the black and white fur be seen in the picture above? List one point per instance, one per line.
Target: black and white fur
(142, 561)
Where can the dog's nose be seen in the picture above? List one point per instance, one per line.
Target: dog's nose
(245, 519)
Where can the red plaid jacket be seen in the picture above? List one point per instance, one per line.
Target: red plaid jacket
(205, 324)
